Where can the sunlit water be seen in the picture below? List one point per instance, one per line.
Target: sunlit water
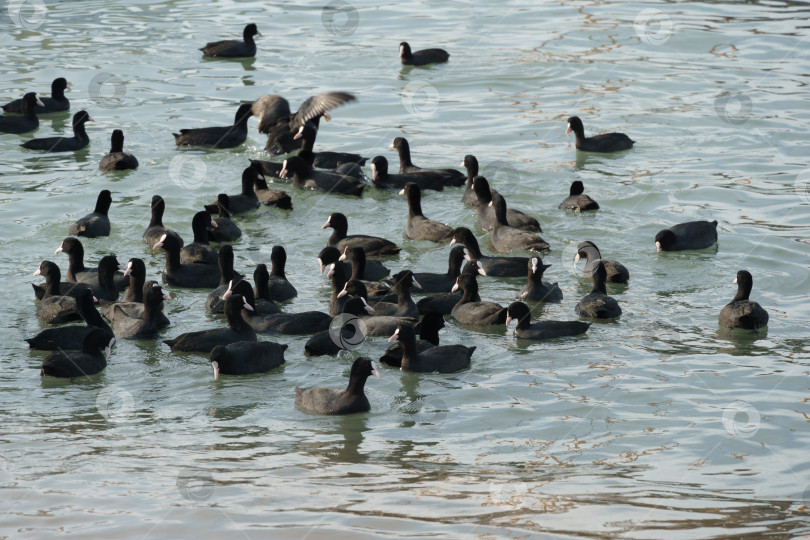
(654, 426)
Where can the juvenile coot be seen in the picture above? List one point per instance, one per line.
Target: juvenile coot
(326, 400)
(200, 250)
(374, 246)
(419, 227)
(441, 358)
(233, 48)
(742, 312)
(605, 142)
(472, 312)
(577, 200)
(423, 57)
(117, 159)
(526, 329)
(246, 357)
(536, 290)
(64, 144)
(218, 136)
(90, 360)
(56, 103)
(690, 235)
(25, 123)
(616, 271)
(597, 304)
(205, 340)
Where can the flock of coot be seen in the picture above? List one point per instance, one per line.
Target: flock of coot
(363, 302)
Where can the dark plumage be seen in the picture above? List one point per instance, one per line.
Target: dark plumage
(132, 303)
(537, 291)
(71, 337)
(401, 283)
(442, 282)
(233, 48)
(270, 197)
(77, 272)
(247, 199)
(526, 329)
(493, 266)
(361, 268)
(156, 229)
(25, 123)
(605, 142)
(475, 312)
(64, 144)
(305, 177)
(56, 103)
(690, 235)
(742, 312)
(56, 308)
(486, 212)
(261, 306)
(450, 177)
(281, 125)
(325, 400)
(441, 358)
(205, 340)
(218, 136)
(350, 334)
(505, 238)
(274, 286)
(246, 357)
(444, 303)
(185, 275)
(215, 303)
(226, 230)
(470, 163)
(418, 227)
(148, 324)
(306, 322)
(106, 288)
(423, 57)
(577, 200)
(616, 272)
(424, 179)
(117, 159)
(200, 251)
(322, 160)
(374, 246)
(597, 304)
(428, 329)
(90, 360)
(96, 223)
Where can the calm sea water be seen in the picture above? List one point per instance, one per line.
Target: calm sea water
(654, 426)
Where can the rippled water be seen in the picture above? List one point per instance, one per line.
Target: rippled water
(654, 426)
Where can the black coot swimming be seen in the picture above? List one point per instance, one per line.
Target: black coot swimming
(64, 144)
(56, 103)
(742, 312)
(305, 177)
(418, 227)
(90, 360)
(526, 329)
(441, 358)
(218, 136)
(442, 282)
(117, 159)
(148, 324)
(247, 199)
(327, 400)
(156, 229)
(132, 302)
(424, 179)
(270, 197)
(323, 160)
(280, 124)
(689, 235)
(605, 142)
(493, 266)
(374, 246)
(505, 238)
(205, 340)
(260, 305)
(361, 267)
(536, 290)
(215, 303)
(577, 200)
(233, 48)
(423, 57)
(475, 312)
(428, 329)
(185, 275)
(226, 230)
(487, 218)
(616, 271)
(97, 222)
(56, 308)
(247, 357)
(445, 302)
(450, 177)
(200, 251)
(78, 272)
(275, 286)
(25, 123)
(71, 337)
(597, 304)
